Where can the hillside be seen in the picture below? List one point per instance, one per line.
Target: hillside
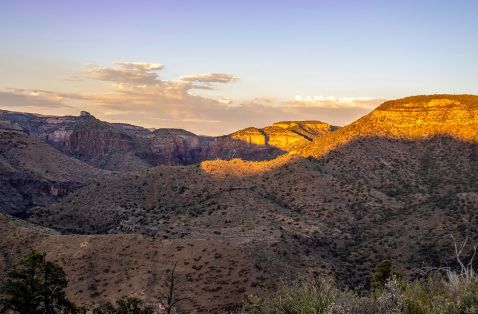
(322, 216)
(215, 275)
(411, 118)
(34, 173)
(392, 185)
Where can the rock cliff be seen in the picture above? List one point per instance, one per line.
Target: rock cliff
(125, 147)
(33, 173)
(283, 134)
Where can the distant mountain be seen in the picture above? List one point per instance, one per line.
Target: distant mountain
(411, 118)
(124, 147)
(392, 185)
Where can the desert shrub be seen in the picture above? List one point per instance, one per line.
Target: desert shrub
(301, 297)
(388, 300)
(445, 291)
(441, 294)
(125, 305)
(434, 295)
(382, 273)
(323, 297)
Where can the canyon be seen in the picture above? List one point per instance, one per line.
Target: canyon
(240, 212)
(124, 147)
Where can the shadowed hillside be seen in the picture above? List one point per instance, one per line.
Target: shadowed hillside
(325, 215)
(34, 173)
(125, 147)
(392, 185)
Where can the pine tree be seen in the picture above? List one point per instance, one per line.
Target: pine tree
(35, 285)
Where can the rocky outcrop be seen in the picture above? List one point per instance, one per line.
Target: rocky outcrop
(229, 147)
(283, 138)
(283, 134)
(132, 130)
(95, 143)
(33, 173)
(251, 136)
(424, 116)
(124, 147)
(174, 147)
(309, 128)
(25, 191)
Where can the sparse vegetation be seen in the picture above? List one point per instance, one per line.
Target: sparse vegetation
(443, 292)
(168, 296)
(431, 295)
(125, 305)
(383, 188)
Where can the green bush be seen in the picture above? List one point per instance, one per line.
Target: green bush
(435, 295)
(382, 273)
(301, 297)
(125, 305)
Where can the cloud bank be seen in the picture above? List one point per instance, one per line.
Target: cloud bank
(138, 95)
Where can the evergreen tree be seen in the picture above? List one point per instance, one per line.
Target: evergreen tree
(35, 285)
(383, 272)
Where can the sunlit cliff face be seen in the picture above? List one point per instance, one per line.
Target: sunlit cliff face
(283, 134)
(412, 118)
(440, 116)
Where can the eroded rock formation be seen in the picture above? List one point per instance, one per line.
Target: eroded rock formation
(124, 147)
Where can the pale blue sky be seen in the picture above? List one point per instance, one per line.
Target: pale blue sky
(381, 49)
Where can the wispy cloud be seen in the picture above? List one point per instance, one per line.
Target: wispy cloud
(31, 98)
(207, 80)
(141, 82)
(335, 102)
(126, 72)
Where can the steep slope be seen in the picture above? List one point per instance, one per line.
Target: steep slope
(33, 173)
(84, 137)
(407, 147)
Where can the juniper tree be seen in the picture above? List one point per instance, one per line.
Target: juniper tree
(35, 285)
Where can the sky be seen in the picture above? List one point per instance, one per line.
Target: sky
(213, 67)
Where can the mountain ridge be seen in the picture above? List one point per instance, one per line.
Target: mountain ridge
(412, 117)
(383, 187)
(125, 147)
